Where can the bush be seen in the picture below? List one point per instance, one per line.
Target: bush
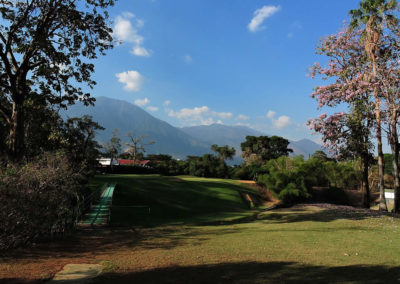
(242, 173)
(293, 193)
(343, 174)
(287, 178)
(40, 199)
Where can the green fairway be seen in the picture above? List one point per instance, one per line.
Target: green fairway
(202, 231)
(153, 200)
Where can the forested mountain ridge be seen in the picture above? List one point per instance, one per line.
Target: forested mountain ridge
(178, 142)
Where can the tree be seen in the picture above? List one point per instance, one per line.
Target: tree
(371, 16)
(45, 49)
(79, 140)
(345, 133)
(388, 81)
(260, 149)
(224, 152)
(136, 145)
(113, 147)
(320, 155)
(377, 19)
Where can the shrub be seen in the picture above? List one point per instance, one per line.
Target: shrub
(343, 174)
(241, 172)
(293, 193)
(40, 199)
(287, 178)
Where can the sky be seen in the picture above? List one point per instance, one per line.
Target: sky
(236, 62)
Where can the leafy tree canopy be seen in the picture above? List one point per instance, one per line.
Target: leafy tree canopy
(263, 148)
(46, 48)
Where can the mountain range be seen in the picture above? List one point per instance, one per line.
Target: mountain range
(177, 142)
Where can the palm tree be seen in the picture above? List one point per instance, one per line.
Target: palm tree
(373, 16)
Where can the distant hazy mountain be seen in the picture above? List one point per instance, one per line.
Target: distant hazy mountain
(305, 147)
(112, 113)
(221, 134)
(178, 142)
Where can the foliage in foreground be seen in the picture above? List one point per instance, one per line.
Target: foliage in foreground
(41, 199)
(291, 179)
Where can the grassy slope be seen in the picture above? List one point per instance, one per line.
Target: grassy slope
(174, 199)
(301, 244)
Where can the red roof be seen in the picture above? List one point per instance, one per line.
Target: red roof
(132, 162)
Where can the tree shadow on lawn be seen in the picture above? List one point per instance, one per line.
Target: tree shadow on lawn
(169, 200)
(87, 243)
(319, 213)
(258, 272)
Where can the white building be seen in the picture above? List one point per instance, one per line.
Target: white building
(107, 162)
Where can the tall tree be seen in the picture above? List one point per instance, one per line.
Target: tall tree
(79, 140)
(263, 148)
(224, 152)
(45, 48)
(136, 144)
(388, 84)
(373, 16)
(345, 132)
(113, 147)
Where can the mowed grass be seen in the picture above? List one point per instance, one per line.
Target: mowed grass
(151, 200)
(301, 244)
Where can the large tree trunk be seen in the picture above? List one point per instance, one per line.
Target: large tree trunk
(365, 183)
(381, 183)
(16, 143)
(394, 145)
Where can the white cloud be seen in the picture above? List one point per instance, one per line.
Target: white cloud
(260, 15)
(152, 108)
(202, 115)
(125, 31)
(167, 103)
(188, 58)
(242, 117)
(132, 80)
(187, 112)
(279, 123)
(282, 121)
(271, 114)
(142, 102)
(140, 51)
(290, 35)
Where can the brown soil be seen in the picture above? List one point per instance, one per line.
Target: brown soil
(354, 196)
(268, 200)
(44, 260)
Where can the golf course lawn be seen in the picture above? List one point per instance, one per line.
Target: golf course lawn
(189, 238)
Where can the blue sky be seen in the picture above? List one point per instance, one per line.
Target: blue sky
(192, 62)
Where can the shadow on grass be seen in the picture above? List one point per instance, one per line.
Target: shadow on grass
(258, 272)
(250, 272)
(319, 213)
(175, 200)
(89, 242)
